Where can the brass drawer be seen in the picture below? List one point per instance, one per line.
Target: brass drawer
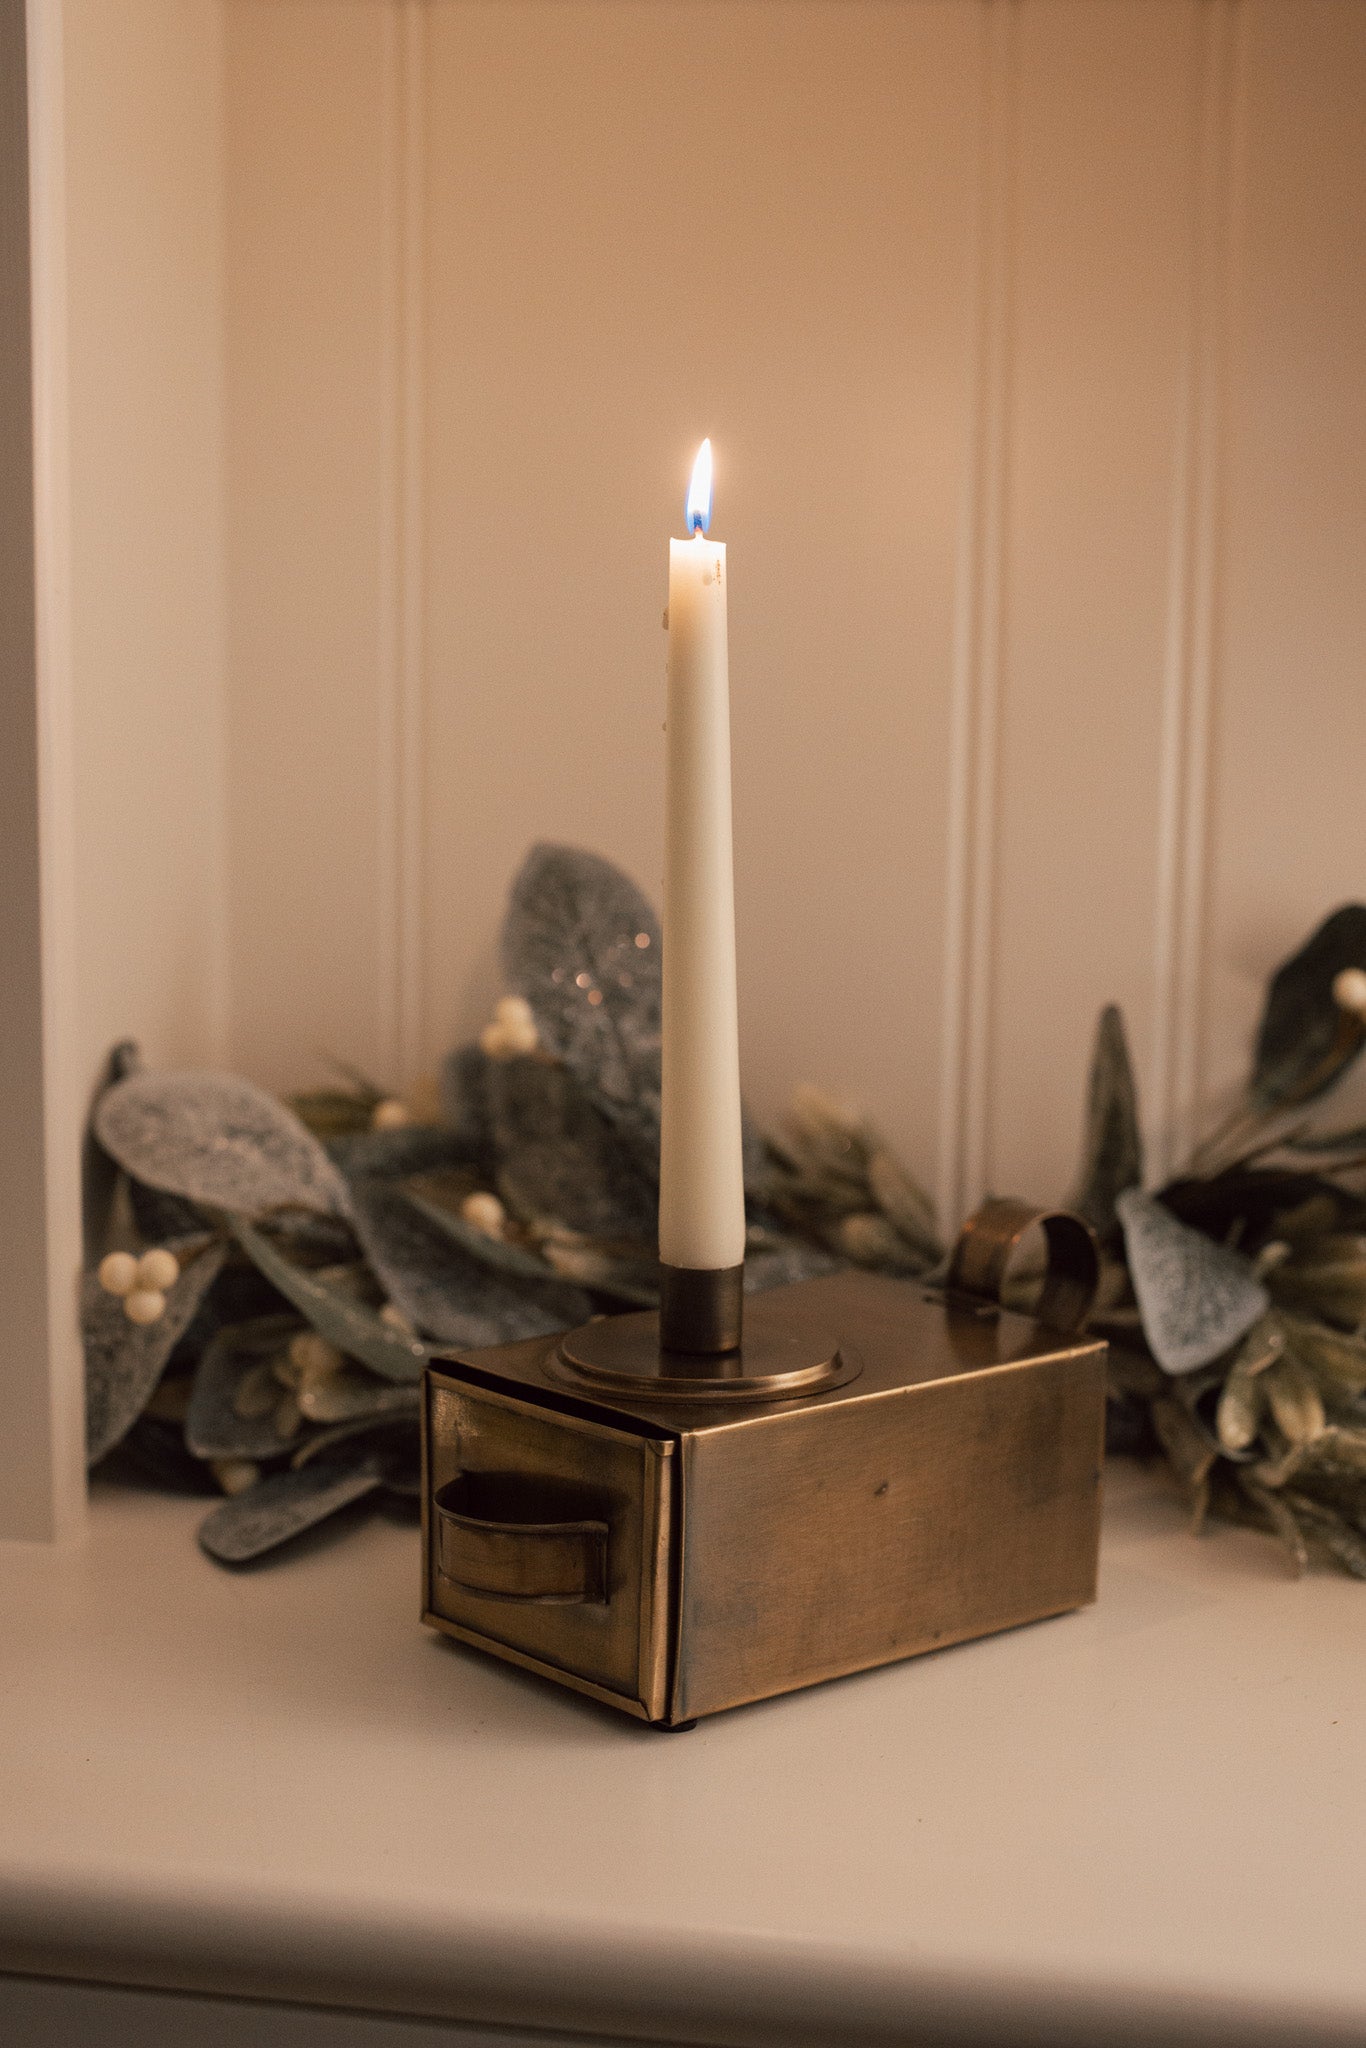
(547, 1539)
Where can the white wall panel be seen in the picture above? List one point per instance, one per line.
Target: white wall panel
(310, 530)
(1100, 233)
(114, 791)
(646, 224)
(144, 184)
(1288, 837)
(1030, 337)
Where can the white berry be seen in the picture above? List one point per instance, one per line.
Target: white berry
(514, 1012)
(312, 1355)
(1349, 990)
(485, 1212)
(118, 1273)
(158, 1269)
(390, 1115)
(235, 1475)
(144, 1305)
(512, 1031)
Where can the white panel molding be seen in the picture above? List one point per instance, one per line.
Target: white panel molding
(65, 1077)
(969, 964)
(42, 1463)
(1175, 1078)
(400, 737)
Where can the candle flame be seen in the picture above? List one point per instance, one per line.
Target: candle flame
(698, 514)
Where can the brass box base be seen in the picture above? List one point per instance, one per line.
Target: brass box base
(674, 1557)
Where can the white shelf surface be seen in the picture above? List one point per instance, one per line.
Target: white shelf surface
(1144, 1821)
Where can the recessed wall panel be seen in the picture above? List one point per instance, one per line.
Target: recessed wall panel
(1286, 838)
(645, 224)
(309, 273)
(1102, 206)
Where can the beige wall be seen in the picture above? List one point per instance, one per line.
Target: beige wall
(144, 200)
(374, 339)
(1030, 337)
(113, 919)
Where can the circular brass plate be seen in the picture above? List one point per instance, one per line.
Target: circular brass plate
(784, 1356)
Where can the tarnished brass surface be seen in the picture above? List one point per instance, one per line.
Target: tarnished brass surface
(701, 1309)
(991, 1236)
(493, 1538)
(613, 1493)
(752, 1546)
(785, 1353)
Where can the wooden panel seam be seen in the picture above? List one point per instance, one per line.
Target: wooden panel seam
(965, 1107)
(1190, 664)
(400, 737)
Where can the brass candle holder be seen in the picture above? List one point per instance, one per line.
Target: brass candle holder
(676, 1515)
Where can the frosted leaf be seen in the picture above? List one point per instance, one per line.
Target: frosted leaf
(217, 1140)
(1112, 1151)
(582, 945)
(626, 1273)
(1305, 1040)
(465, 1102)
(412, 1148)
(391, 1444)
(213, 1427)
(1195, 1298)
(560, 1159)
(282, 1506)
(124, 1360)
(431, 1196)
(444, 1290)
(335, 1310)
(778, 1260)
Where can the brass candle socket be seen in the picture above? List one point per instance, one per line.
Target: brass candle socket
(701, 1309)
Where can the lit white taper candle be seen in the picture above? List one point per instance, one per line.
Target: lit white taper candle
(701, 1192)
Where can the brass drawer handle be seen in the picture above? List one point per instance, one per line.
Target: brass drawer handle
(987, 1240)
(507, 1537)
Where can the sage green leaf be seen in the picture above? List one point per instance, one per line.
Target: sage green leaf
(1305, 1041)
(394, 1154)
(124, 1360)
(560, 1159)
(774, 1258)
(1189, 1453)
(334, 1310)
(1280, 1520)
(218, 1425)
(1112, 1149)
(352, 1394)
(869, 1238)
(627, 1273)
(390, 1447)
(217, 1140)
(582, 944)
(282, 1506)
(905, 1204)
(1328, 1531)
(1196, 1298)
(1338, 1453)
(438, 1200)
(1337, 1361)
(1242, 1403)
(1294, 1400)
(1326, 1274)
(445, 1291)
